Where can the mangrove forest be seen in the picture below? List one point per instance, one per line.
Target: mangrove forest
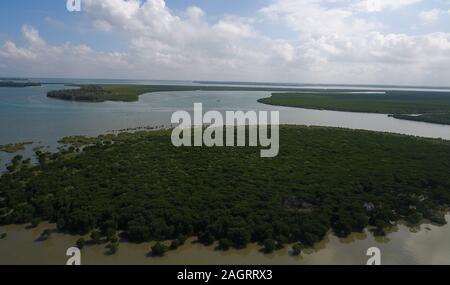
(141, 186)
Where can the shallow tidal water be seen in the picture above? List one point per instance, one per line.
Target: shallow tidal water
(429, 245)
(26, 114)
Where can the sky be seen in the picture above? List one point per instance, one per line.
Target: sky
(404, 42)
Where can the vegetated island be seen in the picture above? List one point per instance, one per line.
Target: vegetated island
(425, 106)
(139, 186)
(13, 148)
(131, 93)
(18, 84)
(435, 118)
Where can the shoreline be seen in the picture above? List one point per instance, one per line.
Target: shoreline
(331, 250)
(78, 147)
(332, 101)
(98, 93)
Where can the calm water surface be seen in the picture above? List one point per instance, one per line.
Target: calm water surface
(26, 114)
(429, 245)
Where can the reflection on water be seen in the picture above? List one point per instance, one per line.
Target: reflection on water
(429, 245)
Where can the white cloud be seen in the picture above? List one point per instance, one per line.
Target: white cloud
(157, 37)
(32, 36)
(430, 16)
(332, 43)
(38, 58)
(103, 26)
(10, 51)
(195, 13)
(381, 5)
(312, 18)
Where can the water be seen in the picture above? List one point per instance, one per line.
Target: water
(240, 84)
(26, 114)
(429, 245)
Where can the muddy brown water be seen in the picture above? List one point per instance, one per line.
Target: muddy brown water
(428, 245)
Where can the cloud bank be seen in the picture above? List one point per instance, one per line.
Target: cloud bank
(330, 43)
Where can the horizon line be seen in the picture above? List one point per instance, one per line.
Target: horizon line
(234, 82)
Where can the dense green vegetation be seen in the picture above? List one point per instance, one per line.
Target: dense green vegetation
(81, 242)
(130, 93)
(159, 249)
(46, 234)
(436, 118)
(138, 184)
(392, 102)
(18, 84)
(297, 249)
(13, 148)
(435, 106)
(269, 246)
(176, 243)
(113, 247)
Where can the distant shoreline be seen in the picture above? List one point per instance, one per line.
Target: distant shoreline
(427, 106)
(432, 106)
(319, 85)
(64, 80)
(130, 93)
(18, 84)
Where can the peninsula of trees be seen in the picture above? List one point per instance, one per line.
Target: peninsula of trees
(130, 93)
(13, 148)
(140, 185)
(425, 106)
(18, 84)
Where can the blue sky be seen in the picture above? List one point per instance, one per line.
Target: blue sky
(346, 41)
(14, 13)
